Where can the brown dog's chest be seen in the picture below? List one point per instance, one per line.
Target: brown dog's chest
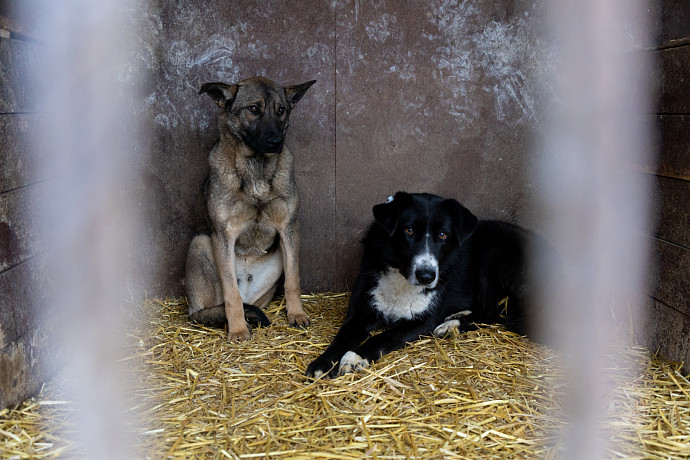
(250, 198)
(260, 232)
(257, 218)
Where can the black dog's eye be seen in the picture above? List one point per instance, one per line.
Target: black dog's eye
(409, 231)
(442, 236)
(281, 111)
(253, 108)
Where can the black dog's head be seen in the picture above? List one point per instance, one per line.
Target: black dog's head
(256, 110)
(423, 229)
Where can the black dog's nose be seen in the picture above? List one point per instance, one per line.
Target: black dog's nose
(425, 275)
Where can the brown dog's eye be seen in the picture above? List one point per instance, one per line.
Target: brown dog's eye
(281, 111)
(442, 236)
(253, 108)
(409, 231)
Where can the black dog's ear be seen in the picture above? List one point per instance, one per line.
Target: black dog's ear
(387, 214)
(464, 222)
(295, 92)
(221, 93)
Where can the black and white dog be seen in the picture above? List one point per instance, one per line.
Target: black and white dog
(429, 265)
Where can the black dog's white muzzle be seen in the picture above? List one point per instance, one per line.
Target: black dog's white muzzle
(424, 271)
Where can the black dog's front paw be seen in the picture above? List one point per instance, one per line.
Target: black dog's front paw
(352, 362)
(455, 322)
(321, 366)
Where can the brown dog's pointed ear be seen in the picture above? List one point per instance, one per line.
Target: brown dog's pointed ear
(295, 92)
(221, 93)
(464, 222)
(387, 214)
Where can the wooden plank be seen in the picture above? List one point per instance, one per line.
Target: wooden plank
(22, 154)
(669, 282)
(674, 136)
(675, 21)
(22, 229)
(8, 327)
(667, 331)
(20, 17)
(25, 293)
(669, 145)
(675, 84)
(20, 76)
(27, 362)
(674, 218)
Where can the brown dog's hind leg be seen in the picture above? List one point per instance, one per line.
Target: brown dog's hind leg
(211, 316)
(201, 277)
(205, 294)
(215, 316)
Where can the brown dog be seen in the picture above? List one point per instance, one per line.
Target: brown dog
(252, 203)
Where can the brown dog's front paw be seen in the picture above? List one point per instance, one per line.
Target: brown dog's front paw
(299, 319)
(239, 335)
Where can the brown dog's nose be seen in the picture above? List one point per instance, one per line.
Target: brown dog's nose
(275, 142)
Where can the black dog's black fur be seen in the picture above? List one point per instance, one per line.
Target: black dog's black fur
(478, 264)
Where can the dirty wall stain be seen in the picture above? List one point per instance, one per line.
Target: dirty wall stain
(507, 59)
(455, 46)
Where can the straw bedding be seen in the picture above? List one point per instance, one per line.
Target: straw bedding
(483, 394)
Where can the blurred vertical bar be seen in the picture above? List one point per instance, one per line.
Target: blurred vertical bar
(91, 96)
(595, 209)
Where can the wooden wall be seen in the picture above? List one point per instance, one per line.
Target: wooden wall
(669, 315)
(26, 346)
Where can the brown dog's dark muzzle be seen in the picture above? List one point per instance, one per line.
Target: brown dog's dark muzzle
(275, 144)
(266, 141)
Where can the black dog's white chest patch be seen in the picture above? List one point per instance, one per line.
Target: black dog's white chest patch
(396, 298)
